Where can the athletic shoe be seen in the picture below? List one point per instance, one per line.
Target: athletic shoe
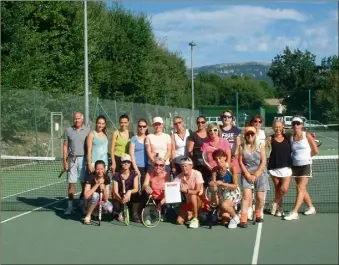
(194, 223)
(291, 216)
(259, 220)
(280, 212)
(234, 222)
(274, 208)
(310, 211)
(242, 225)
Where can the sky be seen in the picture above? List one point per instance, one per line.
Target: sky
(232, 32)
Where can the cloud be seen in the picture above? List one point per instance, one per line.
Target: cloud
(239, 29)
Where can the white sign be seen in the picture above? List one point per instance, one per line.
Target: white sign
(172, 192)
(56, 126)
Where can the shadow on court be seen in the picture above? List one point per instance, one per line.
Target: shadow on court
(309, 240)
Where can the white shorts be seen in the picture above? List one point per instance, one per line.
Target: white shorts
(77, 170)
(281, 172)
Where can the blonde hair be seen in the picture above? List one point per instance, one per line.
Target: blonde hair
(253, 147)
(213, 125)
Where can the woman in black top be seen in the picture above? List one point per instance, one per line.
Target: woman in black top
(194, 144)
(279, 165)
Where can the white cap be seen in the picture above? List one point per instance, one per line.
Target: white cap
(126, 157)
(186, 160)
(297, 119)
(158, 120)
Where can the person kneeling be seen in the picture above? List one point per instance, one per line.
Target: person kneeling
(93, 185)
(191, 185)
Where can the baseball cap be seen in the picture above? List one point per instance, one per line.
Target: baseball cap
(297, 119)
(126, 157)
(186, 160)
(158, 120)
(250, 129)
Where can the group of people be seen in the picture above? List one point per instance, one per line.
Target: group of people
(145, 161)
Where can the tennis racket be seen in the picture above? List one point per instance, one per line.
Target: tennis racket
(71, 157)
(253, 203)
(150, 215)
(212, 194)
(100, 206)
(125, 206)
(208, 157)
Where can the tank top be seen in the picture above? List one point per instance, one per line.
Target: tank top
(197, 153)
(231, 136)
(227, 178)
(158, 186)
(301, 151)
(121, 145)
(251, 160)
(140, 154)
(280, 154)
(180, 146)
(99, 149)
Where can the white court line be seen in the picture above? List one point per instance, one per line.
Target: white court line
(257, 245)
(35, 209)
(32, 189)
(335, 140)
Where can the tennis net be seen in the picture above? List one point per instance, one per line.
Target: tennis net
(32, 182)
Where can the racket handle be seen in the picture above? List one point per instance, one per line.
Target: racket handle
(123, 187)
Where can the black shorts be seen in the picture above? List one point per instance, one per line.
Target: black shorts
(301, 171)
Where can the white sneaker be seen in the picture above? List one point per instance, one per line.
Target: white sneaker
(280, 212)
(310, 211)
(291, 216)
(194, 223)
(274, 208)
(69, 210)
(234, 222)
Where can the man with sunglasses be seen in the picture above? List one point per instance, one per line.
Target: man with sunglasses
(191, 185)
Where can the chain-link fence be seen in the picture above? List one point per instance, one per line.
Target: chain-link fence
(33, 122)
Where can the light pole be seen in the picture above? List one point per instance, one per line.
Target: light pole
(86, 66)
(192, 44)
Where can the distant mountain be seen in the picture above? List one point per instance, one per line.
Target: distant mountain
(256, 70)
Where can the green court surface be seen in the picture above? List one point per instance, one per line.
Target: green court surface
(47, 238)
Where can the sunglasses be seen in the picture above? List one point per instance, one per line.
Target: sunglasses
(126, 162)
(296, 123)
(157, 124)
(142, 126)
(201, 122)
(159, 165)
(213, 130)
(226, 116)
(257, 121)
(249, 134)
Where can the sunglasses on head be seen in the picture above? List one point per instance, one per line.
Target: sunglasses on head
(226, 116)
(213, 130)
(250, 134)
(296, 123)
(201, 122)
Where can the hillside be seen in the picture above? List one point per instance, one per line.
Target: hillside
(256, 70)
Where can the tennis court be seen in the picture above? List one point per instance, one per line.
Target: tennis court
(33, 202)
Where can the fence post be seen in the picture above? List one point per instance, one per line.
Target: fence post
(237, 107)
(309, 109)
(36, 125)
(116, 112)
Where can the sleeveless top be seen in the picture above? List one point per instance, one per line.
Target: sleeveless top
(121, 145)
(128, 182)
(99, 149)
(197, 153)
(140, 154)
(280, 156)
(231, 136)
(158, 186)
(301, 151)
(251, 160)
(227, 178)
(180, 146)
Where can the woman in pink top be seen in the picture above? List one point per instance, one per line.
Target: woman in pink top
(216, 141)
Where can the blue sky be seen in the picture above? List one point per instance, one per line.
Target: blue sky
(228, 32)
